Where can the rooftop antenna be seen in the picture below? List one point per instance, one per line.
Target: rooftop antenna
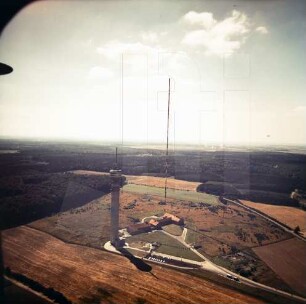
(167, 148)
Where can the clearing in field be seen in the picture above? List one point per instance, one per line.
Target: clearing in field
(290, 216)
(173, 229)
(172, 183)
(287, 259)
(168, 245)
(183, 195)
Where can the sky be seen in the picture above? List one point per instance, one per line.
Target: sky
(99, 70)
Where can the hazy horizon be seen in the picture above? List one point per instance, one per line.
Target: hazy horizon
(159, 145)
(98, 71)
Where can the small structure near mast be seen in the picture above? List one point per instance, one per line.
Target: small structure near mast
(115, 175)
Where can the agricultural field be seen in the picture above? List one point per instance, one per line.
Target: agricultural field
(159, 182)
(290, 216)
(287, 260)
(96, 276)
(182, 195)
(168, 245)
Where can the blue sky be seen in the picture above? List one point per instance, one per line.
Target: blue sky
(98, 70)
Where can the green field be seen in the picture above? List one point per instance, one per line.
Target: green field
(191, 236)
(169, 245)
(173, 229)
(183, 195)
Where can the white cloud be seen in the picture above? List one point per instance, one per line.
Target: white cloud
(262, 30)
(151, 37)
(100, 73)
(136, 56)
(300, 109)
(115, 48)
(204, 19)
(223, 37)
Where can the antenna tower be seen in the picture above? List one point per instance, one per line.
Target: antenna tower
(167, 148)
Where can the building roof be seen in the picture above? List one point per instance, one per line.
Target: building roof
(165, 221)
(138, 227)
(153, 222)
(172, 217)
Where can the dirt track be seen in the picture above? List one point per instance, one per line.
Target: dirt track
(80, 272)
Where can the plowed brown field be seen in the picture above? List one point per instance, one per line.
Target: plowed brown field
(287, 259)
(85, 274)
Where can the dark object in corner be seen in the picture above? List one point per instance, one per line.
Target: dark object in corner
(5, 69)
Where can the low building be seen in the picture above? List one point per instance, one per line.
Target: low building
(154, 223)
(165, 221)
(174, 219)
(138, 228)
(157, 224)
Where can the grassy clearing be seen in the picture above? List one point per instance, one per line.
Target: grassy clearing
(168, 245)
(183, 195)
(223, 263)
(173, 229)
(191, 236)
(225, 228)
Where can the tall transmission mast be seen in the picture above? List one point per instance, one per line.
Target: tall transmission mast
(115, 175)
(167, 148)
